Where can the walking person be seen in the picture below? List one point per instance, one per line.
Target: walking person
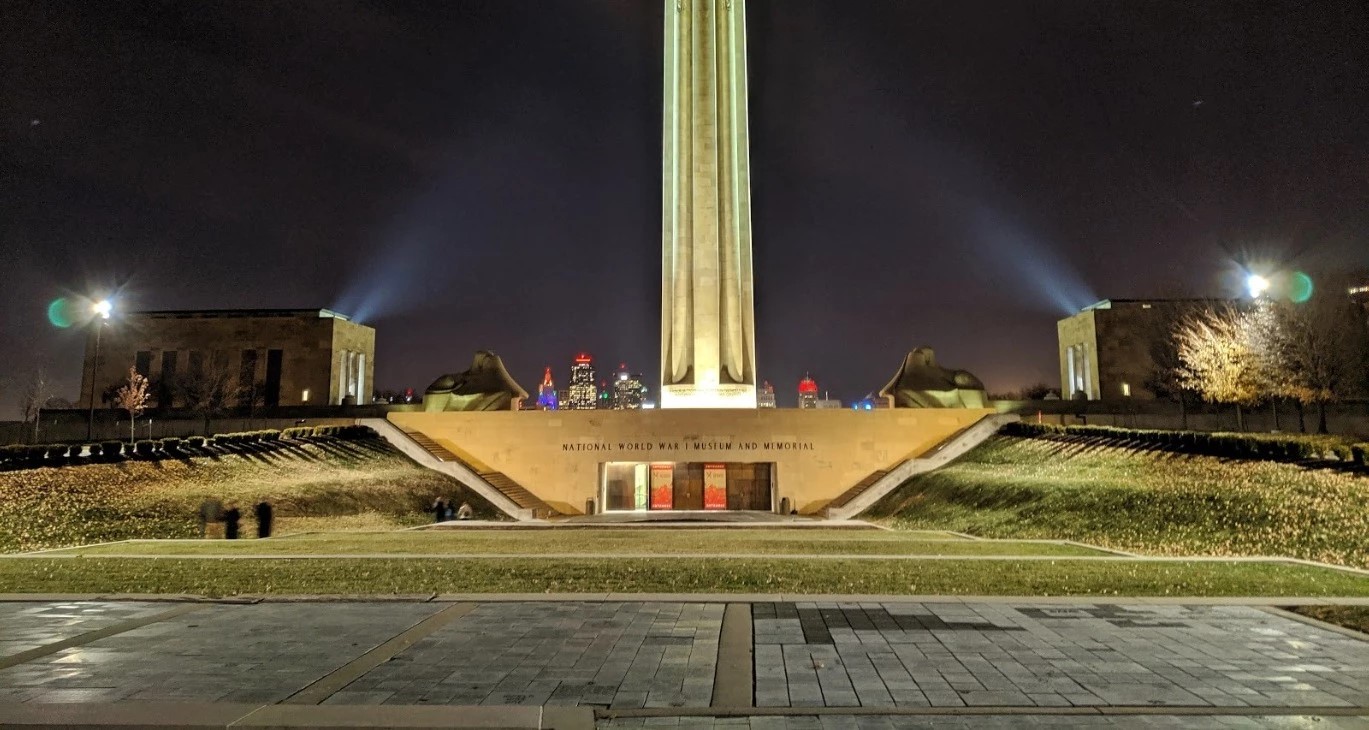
(209, 512)
(264, 515)
(231, 517)
(439, 509)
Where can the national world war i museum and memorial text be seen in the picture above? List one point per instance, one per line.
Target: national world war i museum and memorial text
(709, 447)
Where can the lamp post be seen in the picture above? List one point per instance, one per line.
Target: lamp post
(101, 310)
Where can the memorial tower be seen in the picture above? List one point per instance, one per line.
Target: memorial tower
(708, 345)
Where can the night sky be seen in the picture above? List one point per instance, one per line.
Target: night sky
(486, 174)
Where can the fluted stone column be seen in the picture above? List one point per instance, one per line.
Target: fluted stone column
(708, 344)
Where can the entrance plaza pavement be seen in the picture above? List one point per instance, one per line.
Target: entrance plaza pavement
(782, 663)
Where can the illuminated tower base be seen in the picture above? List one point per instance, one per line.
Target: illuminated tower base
(717, 396)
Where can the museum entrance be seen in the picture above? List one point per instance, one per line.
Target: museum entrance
(681, 485)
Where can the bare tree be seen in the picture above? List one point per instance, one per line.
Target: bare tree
(132, 397)
(31, 400)
(211, 391)
(1315, 348)
(1218, 358)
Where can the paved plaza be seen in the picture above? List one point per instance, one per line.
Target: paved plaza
(667, 663)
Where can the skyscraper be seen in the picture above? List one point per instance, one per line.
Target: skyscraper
(629, 391)
(808, 393)
(582, 394)
(546, 393)
(765, 397)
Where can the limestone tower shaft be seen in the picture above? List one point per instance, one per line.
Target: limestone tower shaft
(708, 346)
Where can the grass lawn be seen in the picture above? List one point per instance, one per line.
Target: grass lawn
(627, 542)
(767, 575)
(324, 484)
(1147, 502)
(1351, 617)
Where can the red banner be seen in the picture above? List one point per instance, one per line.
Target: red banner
(715, 486)
(662, 486)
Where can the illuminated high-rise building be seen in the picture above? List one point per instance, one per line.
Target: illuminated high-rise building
(629, 392)
(583, 394)
(765, 397)
(546, 393)
(808, 393)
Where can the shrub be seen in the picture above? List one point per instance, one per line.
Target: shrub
(74, 451)
(13, 455)
(145, 449)
(56, 452)
(195, 442)
(171, 445)
(97, 451)
(1360, 452)
(112, 449)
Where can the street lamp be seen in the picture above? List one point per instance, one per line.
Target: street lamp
(1256, 285)
(100, 312)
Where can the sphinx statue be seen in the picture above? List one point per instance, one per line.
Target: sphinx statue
(486, 386)
(921, 383)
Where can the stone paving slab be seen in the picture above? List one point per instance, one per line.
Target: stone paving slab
(992, 722)
(852, 654)
(838, 655)
(31, 625)
(226, 653)
(590, 654)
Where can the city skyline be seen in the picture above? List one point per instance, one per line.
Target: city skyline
(956, 177)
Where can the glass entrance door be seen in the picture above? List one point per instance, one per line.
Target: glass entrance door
(687, 486)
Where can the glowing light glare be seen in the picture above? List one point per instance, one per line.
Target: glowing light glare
(1256, 285)
(1300, 287)
(59, 312)
(102, 308)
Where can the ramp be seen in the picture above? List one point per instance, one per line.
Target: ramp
(877, 485)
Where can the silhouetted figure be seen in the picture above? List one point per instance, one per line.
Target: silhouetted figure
(439, 509)
(231, 518)
(464, 512)
(210, 511)
(264, 515)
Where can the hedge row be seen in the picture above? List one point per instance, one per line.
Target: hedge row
(27, 456)
(1230, 445)
(337, 432)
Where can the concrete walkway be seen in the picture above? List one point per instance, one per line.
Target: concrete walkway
(683, 663)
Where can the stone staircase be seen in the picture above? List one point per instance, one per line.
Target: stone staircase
(506, 486)
(880, 483)
(503, 492)
(851, 494)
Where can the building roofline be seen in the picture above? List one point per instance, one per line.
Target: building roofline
(321, 313)
(1107, 303)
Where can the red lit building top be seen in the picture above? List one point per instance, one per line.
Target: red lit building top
(583, 358)
(808, 386)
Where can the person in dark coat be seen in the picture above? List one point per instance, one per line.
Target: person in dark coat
(231, 517)
(439, 510)
(264, 515)
(210, 510)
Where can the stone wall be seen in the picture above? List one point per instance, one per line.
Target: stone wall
(818, 454)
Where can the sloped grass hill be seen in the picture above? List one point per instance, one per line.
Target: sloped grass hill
(1140, 500)
(314, 483)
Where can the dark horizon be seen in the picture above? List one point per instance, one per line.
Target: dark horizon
(487, 174)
